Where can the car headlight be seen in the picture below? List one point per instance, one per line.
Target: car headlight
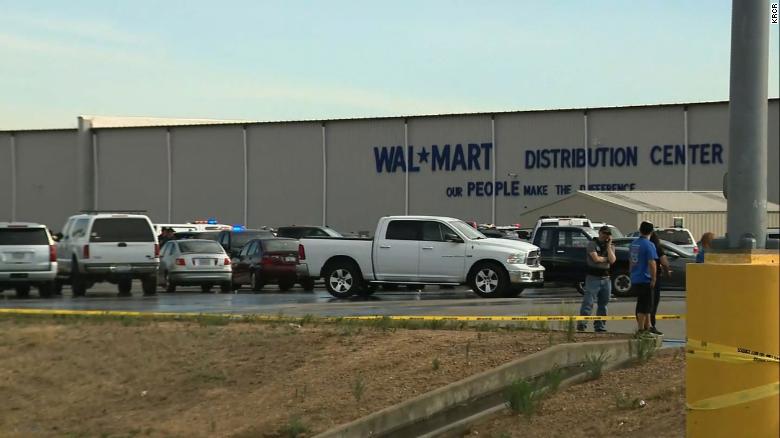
(516, 259)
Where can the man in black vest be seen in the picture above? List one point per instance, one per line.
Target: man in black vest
(600, 256)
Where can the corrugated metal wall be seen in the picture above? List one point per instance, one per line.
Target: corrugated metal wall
(530, 155)
(46, 189)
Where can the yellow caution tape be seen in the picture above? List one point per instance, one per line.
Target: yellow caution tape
(512, 318)
(725, 353)
(347, 318)
(737, 397)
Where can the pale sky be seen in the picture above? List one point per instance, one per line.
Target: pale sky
(295, 60)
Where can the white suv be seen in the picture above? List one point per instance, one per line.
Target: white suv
(109, 247)
(27, 258)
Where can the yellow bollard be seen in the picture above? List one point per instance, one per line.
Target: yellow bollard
(733, 341)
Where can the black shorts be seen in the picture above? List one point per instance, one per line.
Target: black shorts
(644, 297)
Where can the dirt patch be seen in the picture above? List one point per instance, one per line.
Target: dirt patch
(103, 377)
(609, 406)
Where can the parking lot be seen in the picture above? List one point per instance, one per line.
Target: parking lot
(459, 301)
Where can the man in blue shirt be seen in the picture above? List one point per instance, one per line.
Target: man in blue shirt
(643, 272)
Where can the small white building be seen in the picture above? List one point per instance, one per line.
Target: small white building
(700, 211)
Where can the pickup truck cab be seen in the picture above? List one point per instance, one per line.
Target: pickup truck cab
(564, 251)
(423, 250)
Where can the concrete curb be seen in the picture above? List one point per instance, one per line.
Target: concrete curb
(458, 397)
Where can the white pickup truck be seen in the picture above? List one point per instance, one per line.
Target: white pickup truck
(423, 250)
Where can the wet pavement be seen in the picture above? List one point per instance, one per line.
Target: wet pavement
(431, 301)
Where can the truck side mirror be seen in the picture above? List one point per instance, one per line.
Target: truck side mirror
(453, 238)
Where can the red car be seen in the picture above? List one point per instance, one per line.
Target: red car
(267, 261)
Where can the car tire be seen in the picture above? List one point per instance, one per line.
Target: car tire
(308, 284)
(621, 284)
(580, 286)
(284, 286)
(170, 287)
(489, 280)
(514, 291)
(343, 279)
(124, 287)
(226, 287)
(45, 290)
(149, 285)
(23, 291)
(205, 288)
(77, 282)
(255, 282)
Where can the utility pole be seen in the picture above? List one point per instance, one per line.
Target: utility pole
(747, 166)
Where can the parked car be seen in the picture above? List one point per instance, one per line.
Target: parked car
(498, 234)
(678, 257)
(423, 250)
(208, 235)
(616, 233)
(197, 262)
(563, 251)
(679, 236)
(28, 258)
(267, 261)
(299, 231)
(235, 239)
(112, 247)
(773, 233)
(561, 221)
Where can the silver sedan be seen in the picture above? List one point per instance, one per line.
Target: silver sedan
(194, 262)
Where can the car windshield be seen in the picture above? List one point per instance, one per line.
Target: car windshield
(678, 237)
(23, 236)
(669, 246)
(240, 238)
(467, 230)
(200, 247)
(280, 245)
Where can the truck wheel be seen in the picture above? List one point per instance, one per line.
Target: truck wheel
(45, 289)
(514, 292)
(23, 291)
(284, 286)
(77, 282)
(124, 287)
(343, 279)
(307, 284)
(489, 280)
(621, 284)
(149, 285)
(170, 287)
(255, 282)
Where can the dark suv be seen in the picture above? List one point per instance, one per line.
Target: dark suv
(235, 239)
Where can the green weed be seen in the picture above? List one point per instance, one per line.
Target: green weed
(594, 365)
(358, 388)
(294, 428)
(435, 364)
(522, 397)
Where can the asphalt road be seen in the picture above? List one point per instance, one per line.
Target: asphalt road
(431, 301)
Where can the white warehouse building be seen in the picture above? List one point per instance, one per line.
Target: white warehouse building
(487, 167)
